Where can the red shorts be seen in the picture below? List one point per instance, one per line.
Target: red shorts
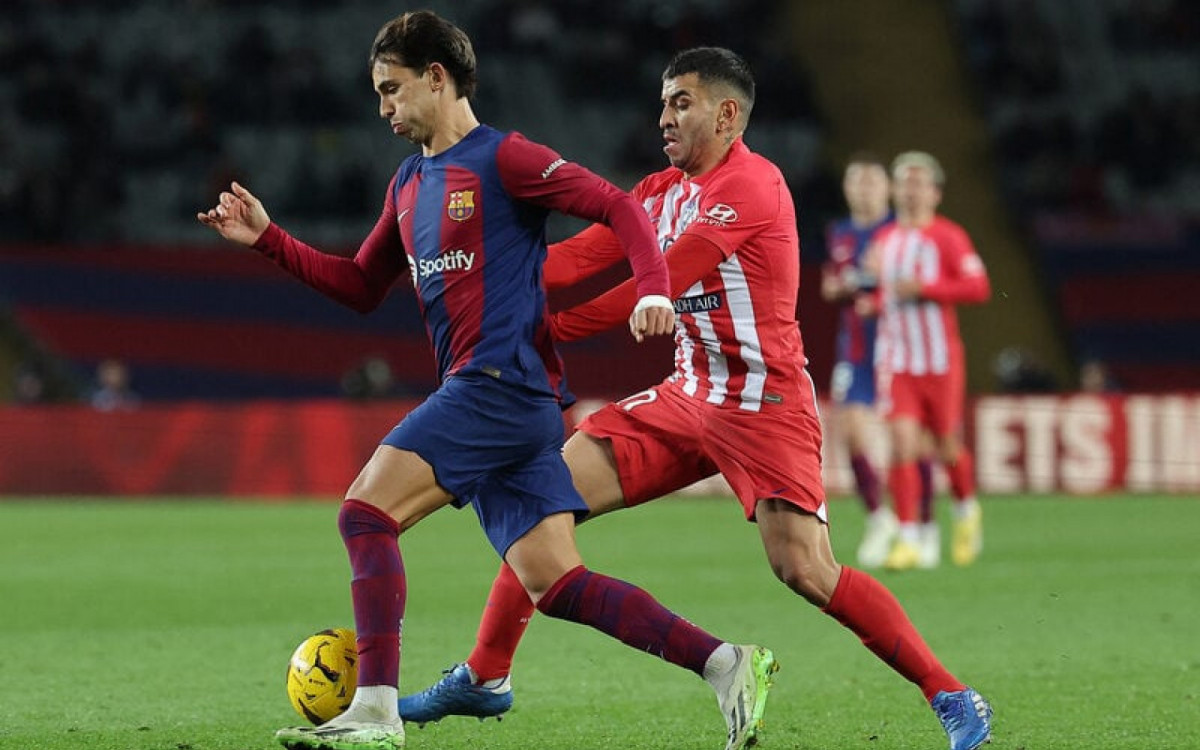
(935, 401)
(664, 440)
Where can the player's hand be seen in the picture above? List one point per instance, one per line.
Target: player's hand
(872, 263)
(654, 315)
(866, 306)
(238, 216)
(907, 289)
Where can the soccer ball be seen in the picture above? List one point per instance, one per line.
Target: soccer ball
(322, 675)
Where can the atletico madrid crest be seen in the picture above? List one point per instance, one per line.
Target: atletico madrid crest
(461, 205)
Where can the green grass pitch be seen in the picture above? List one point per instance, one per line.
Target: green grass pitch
(167, 625)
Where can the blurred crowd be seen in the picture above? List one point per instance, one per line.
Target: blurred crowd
(122, 118)
(1094, 104)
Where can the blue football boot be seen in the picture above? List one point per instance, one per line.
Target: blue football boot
(966, 717)
(456, 694)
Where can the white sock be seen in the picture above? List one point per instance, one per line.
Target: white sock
(374, 703)
(718, 670)
(496, 684)
(909, 534)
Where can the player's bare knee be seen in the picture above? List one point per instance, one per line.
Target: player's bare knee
(594, 473)
(805, 577)
(948, 450)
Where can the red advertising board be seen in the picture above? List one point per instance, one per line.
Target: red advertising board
(1079, 444)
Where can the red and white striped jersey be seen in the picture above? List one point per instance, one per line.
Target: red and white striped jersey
(737, 341)
(920, 337)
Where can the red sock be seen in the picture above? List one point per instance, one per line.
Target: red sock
(867, 608)
(505, 618)
(378, 590)
(962, 476)
(630, 615)
(904, 482)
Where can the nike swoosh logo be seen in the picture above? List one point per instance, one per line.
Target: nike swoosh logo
(403, 213)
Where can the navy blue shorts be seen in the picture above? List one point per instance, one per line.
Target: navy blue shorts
(497, 448)
(853, 383)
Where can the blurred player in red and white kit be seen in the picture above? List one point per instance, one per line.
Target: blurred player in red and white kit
(739, 402)
(926, 266)
(867, 190)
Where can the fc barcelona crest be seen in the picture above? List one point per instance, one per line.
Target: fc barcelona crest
(461, 205)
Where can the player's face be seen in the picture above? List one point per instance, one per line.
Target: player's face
(689, 125)
(915, 191)
(866, 187)
(405, 100)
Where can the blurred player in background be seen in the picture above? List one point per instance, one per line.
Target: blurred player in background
(867, 190)
(926, 266)
(466, 218)
(739, 402)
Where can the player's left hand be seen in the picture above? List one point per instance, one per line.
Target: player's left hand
(238, 216)
(866, 306)
(654, 315)
(908, 289)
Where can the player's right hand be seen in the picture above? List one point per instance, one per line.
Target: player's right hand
(238, 216)
(866, 305)
(654, 315)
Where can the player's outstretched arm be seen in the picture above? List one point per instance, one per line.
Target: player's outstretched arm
(534, 173)
(360, 282)
(238, 216)
(688, 261)
(593, 250)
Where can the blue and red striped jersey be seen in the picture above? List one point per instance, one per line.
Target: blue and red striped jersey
(846, 245)
(469, 223)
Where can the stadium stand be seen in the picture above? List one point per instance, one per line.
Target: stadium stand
(1094, 106)
(124, 122)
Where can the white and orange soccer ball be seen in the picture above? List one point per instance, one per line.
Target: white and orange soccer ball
(322, 674)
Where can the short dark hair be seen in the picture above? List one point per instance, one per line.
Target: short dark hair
(418, 38)
(715, 65)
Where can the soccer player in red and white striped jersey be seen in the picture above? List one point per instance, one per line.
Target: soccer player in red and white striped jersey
(926, 266)
(739, 402)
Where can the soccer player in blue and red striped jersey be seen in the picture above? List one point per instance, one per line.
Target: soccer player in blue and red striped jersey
(866, 186)
(466, 217)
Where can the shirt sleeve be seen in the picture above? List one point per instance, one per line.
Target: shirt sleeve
(736, 206)
(689, 260)
(963, 278)
(537, 174)
(361, 282)
(586, 254)
(831, 269)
